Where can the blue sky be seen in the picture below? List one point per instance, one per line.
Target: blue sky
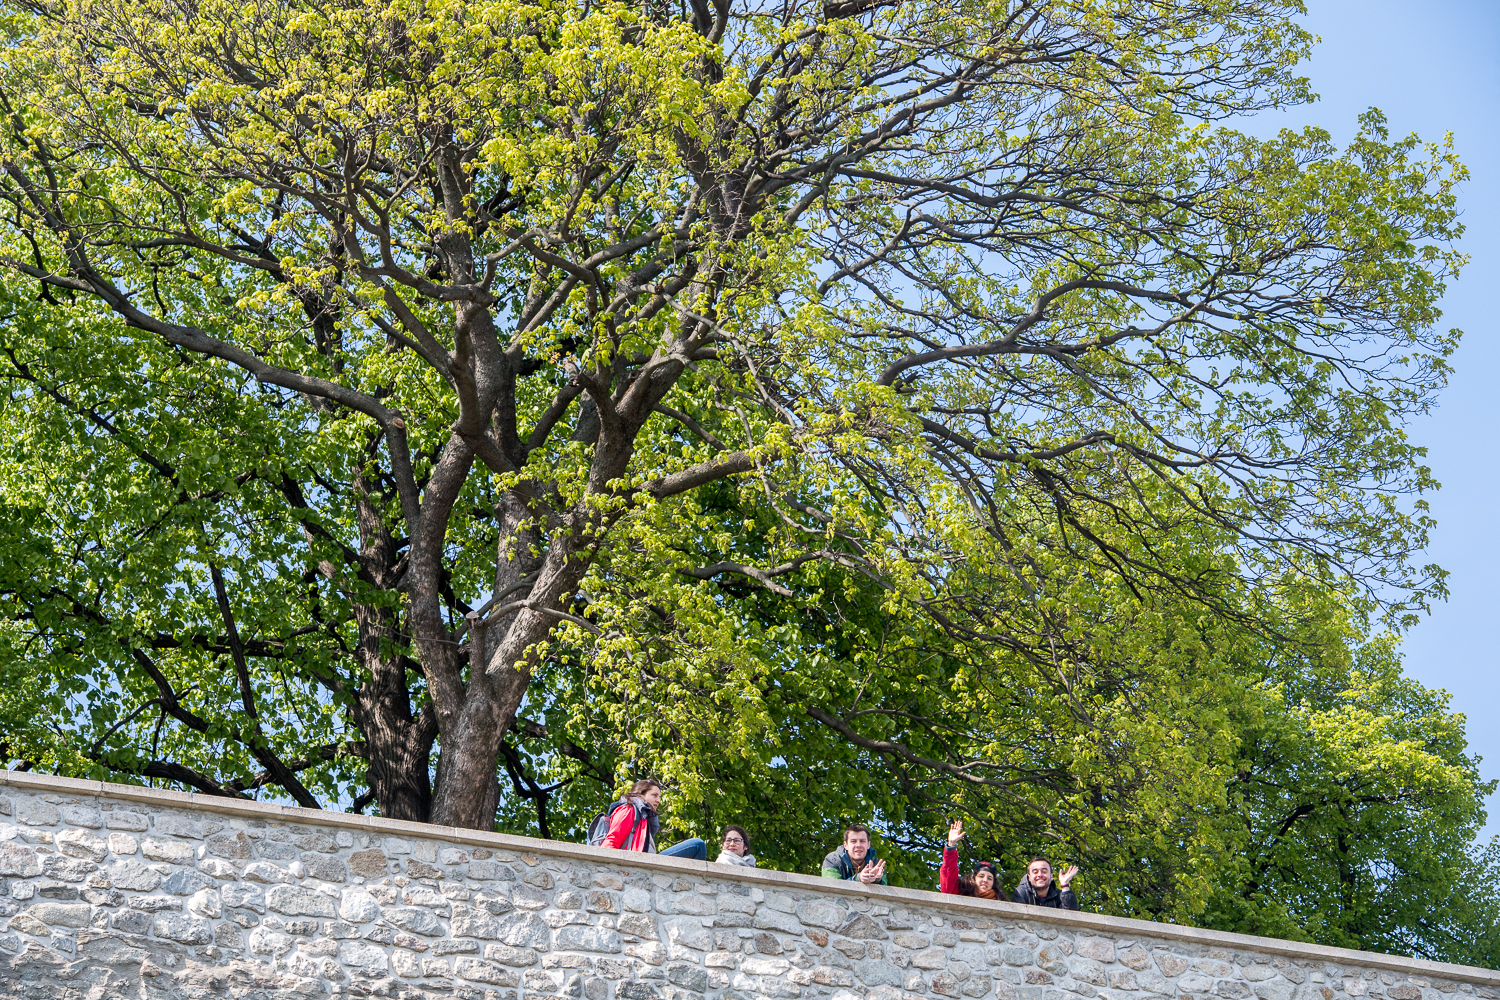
(1434, 67)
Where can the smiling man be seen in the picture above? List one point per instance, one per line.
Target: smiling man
(1038, 888)
(855, 859)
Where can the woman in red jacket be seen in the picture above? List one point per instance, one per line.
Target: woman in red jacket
(633, 825)
(980, 884)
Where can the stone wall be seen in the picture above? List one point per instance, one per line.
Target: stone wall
(115, 891)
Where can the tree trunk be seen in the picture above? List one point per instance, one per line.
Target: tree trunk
(399, 765)
(497, 685)
(398, 742)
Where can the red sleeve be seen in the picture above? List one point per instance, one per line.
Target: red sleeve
(620, 822)
(948, 874)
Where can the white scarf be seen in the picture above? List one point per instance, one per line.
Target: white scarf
(746, 860)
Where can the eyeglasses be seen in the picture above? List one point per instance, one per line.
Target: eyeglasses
(732, 839)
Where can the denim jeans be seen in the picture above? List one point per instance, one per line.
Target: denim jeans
(690, 848)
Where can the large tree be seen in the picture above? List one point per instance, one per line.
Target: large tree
(1240, 756)
(388, 350)
(1259, 767)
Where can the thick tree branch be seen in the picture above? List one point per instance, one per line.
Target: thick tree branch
(903, 752)
(694, 476)
(257, 743)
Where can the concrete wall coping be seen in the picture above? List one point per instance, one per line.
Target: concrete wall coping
(1094, 922)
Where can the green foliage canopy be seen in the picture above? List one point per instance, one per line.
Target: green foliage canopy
(843, 409)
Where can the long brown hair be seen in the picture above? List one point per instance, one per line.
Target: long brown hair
(968, 885)
(643, 786)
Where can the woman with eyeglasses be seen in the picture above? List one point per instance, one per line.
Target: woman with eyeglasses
(736, 848)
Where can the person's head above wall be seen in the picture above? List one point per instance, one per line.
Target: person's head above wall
(857, 840)
(736, 840)
(648, 790)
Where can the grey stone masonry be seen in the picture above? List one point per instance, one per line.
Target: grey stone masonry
(116, 891)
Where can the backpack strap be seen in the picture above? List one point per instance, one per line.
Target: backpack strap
(636, 823)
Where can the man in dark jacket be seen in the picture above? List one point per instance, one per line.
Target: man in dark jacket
(1038, 888)
(856, 859)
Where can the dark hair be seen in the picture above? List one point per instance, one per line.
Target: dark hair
(968, 885)
(856, 828)
(643, 786)
(1039, 857)
(739, 830)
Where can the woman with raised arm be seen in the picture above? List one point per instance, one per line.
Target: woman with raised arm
(980, 884)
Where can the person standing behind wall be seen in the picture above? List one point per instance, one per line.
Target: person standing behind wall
(1038, 888)
(856, 859)
(981, 884)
